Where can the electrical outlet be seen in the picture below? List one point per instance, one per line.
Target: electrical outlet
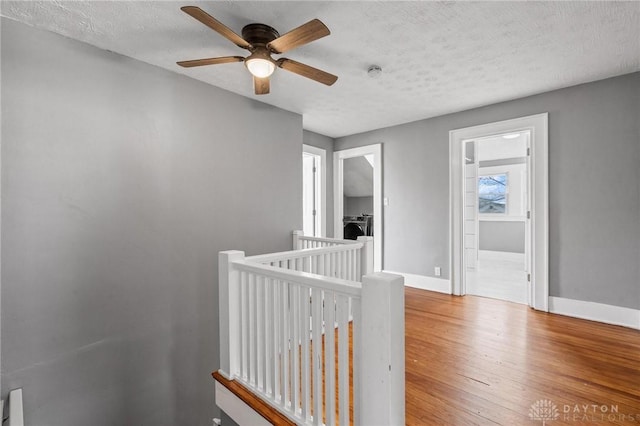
(438, 272)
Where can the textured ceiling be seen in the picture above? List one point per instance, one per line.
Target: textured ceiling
(437, 57)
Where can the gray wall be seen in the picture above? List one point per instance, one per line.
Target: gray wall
(355, 206)
(326, 143)
(120, 184)
(594, 212)
(501, 236)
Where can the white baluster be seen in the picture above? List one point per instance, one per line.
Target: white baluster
(305, 336)
(264, 327)
(357, 360)
(342, 305)
(316, 303)
(244, 326)
(277, 316)
(269, 338)
(335, 265)
(253, 331)
(295, 353)
(329, 358)
(284, 372)
(321, 267)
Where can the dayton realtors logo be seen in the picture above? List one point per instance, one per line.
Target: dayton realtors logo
(545, 410)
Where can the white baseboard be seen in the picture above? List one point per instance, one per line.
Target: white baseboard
(592, 311)
(441, 285)
(600, 312)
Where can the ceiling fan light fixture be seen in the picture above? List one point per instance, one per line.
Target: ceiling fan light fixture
(263, 41)
(259, 65)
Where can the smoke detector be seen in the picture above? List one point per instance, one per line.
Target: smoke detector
(374, 71)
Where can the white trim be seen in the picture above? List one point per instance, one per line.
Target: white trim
(609, 314)
(16, 410)
(539, 206)
(338, 195)
(237, 409)
(323, 184)
(441, 285)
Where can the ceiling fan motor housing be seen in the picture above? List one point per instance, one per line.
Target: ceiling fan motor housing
(259, 34)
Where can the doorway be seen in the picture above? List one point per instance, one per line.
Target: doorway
(467, 183)
(314, 167)
(496, 229)
(358, 196)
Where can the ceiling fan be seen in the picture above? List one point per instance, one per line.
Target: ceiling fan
(263, 41)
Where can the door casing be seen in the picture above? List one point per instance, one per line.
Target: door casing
(538, 205)
(338, 193)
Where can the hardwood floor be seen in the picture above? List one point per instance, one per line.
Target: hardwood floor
(479, 361)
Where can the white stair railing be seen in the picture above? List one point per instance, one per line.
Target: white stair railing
(301, 241)
(363, 250)
(275, 312)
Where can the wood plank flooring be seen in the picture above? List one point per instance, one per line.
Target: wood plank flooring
(479, 361)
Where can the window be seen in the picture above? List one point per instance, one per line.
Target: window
(492, 194)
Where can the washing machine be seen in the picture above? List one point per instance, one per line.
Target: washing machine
(357, 226)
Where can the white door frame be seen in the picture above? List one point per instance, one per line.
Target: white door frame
(539, 206)
(338, 195)
(322, 212)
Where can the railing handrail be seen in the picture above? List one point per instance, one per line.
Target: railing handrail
(337, 285)
(327, 240)
(296, 254)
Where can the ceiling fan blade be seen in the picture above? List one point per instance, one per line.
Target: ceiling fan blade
(216, 25)
(210, 61)
(261, 85)
(306, 33)
(307, 71)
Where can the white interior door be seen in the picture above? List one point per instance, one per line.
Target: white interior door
(471, 207)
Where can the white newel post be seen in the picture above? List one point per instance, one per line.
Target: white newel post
(366, 262)
(380, 376)
(297, 243)
(228, 309)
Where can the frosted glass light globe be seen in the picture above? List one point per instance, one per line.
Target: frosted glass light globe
(260, 68)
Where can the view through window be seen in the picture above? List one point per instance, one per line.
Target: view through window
(492, 194)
